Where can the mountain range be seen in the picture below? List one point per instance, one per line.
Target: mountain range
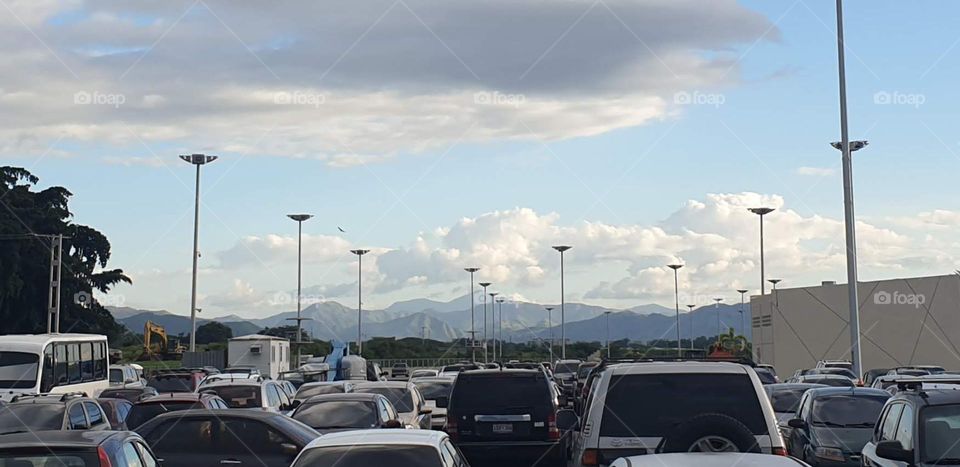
(522, 321)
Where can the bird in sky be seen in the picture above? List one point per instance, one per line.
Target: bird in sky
(341, 229)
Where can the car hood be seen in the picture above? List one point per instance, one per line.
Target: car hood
(848, 439)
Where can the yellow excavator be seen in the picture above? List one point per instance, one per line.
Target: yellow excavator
(160, 350)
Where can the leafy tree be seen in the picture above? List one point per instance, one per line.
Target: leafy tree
(213, 332)
(27, 217)
(286, 332)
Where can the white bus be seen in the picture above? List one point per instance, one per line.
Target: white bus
(53, 363)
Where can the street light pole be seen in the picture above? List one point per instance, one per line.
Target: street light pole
(563, 317)
(550, 328)
(690, 314)
(607, 313)
(197, 160)
(360, 254)
(761, 212)
(676, 296)
(493, 305)
(500, 303)
(743, 330)
(299, 218)
(776, 298)
(485, 342)
(718, 300)
(473, 335)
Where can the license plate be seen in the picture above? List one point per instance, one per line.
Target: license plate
(502, 428)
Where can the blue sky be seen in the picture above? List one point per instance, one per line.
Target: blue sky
(612, 188)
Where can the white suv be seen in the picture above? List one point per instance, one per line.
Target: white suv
(678, 406)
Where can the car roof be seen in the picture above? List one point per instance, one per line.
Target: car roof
(382, 384)
(435, 379)
(380, 436)
(791, 386)
(504, 371)
(59, 438)
(231, 382)
(853, 391)
(677, 367)
(718, 459)
(258, 414)
(822, 376)
(932, 396)
(176, 396)
(346, 396)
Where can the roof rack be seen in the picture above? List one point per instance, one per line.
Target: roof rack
(63, 396)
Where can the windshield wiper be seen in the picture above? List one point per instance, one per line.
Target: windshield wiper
(837, 425)
(945, 461)
(14, 432)
(860, 425)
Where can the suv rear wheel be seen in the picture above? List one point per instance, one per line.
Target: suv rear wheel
(711, 433)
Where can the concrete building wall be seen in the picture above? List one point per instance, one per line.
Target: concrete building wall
(902, 322)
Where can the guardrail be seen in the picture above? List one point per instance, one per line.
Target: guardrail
(387, 363)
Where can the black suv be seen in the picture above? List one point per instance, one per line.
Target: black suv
(42, 412)
(509, 413)
(76, 449)
(918, 427)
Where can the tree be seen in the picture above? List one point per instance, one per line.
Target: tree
(287, 332)
(27, 218)
(213, 332)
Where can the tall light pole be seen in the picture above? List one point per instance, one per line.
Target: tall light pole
(485, 359)
(550, 328)
(500, 303)
(776, 298)
(299, 218)
(493, 305)
(717, 306)
(563, 299)
(473, 331)
(676, 296)
(607, 314)
(197, 160)
(690, 313)
(761, 212)
(849, 219)
(360, 254)
(743, 330)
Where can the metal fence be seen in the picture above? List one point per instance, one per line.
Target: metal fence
(388, 363)
(214, 358)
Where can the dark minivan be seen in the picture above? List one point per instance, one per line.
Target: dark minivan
(496, 414)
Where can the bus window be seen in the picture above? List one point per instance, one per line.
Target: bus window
(73, 362)
(47, 372)
(86, 361)
(60, 363)
(99, 360)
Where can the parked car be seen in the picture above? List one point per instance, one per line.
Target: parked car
(718, 459)
(353, 411)
(457, 368)
(678, 406)
(39, 412)
(827, 380)
(176, 382)
(144, 410)
(497, 413)
(76, 449)
(785, 398)
(918, 426)
(400, 370)
(908, 371)
(308, 390)
(249, 370)
(565, 374)
(870, 375)
(396, 448)
(405, 397)
(583, 370)
(228, 377)
(436, 394)
(375, 372)
(766, 377)
(126, 376)
(131, 394)
(424, 373)
(832, 425)
(768, 367)
(835, 364)
(250, 394)
(192, 438)
(847, 373)
(116, 411)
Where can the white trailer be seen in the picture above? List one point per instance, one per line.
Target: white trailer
(911, 321)
(269, 354)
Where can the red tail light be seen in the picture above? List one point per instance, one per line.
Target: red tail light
(452, 430)
(590, 457)
(778, 451)
(553, 432)
(104, 458)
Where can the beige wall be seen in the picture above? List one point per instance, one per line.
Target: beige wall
(804, 325)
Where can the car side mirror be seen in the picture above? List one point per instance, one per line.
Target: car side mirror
(567, 420)
(893, 450)
(391, 424)
(289, 449)
(442, 402)
(797, 423)
(296, 403)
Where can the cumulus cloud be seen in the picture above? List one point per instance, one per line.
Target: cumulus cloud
(355, 83)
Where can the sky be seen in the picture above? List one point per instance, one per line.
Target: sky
(442, 135)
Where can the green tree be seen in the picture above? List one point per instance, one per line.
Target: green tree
(27, 217)
(213, 332)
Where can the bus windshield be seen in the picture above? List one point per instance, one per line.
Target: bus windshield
(18, 370)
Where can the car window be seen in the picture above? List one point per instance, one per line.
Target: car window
(889, 428)
(495, 391)
(130, 457)
(273, 398)
(446, 457)
(786, 400)
(78, 420)
(94, 413)
(145, 455)
(245, 396)
(339, 414)
(905, 427)
(247, 436)
(391, 410)
(847, 411)
(401, 398)
(29, 417)
(803, 408)
(181, 435)
(431, 390)
(122, 411)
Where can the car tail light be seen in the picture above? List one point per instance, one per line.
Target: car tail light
(452, 429)
(553, 431)
(104, 458)
(778, 451)
(590, 457)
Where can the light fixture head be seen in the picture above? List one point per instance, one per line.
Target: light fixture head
(359, 252)
(761, 211)
(494, 294)
(198, 159)
(485, 284)
(501, 300)
(299, 217)
(549, 308)
(774, 281)
(854, 145)
(471, 269)
(742, 290)
(562, 248)
(674, 266)
(691, 307)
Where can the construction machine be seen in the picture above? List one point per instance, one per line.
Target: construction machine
(165, 349)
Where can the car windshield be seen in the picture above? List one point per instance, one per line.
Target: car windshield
(338, 414)
(116, 376)
(368, 454)
(141, 413)
(941, 428)
(496, 391)
(566, 368)
(48, 456)
(399, 397)
(18, 370)
(30, 417)
(172, 383)
(651, 405)
(765, 376)
(319, 390)
(239, 397)
(850, 411)
(786, 400)
(431, 390)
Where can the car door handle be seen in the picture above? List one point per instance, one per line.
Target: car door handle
(229, 462)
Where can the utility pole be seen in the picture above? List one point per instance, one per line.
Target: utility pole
(56, 263)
